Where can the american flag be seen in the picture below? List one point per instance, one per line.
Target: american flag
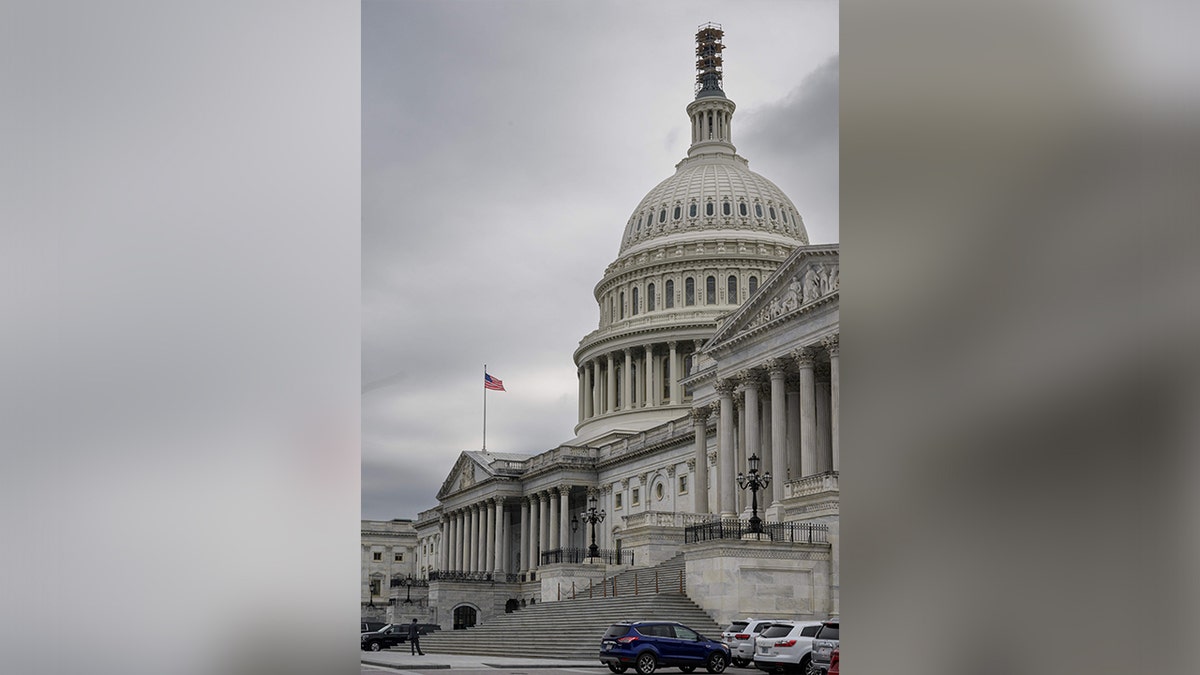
(493, 383)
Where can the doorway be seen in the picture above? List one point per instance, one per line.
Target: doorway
(464, 617)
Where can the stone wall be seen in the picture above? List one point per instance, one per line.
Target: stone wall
(733, 579)
(560, 578)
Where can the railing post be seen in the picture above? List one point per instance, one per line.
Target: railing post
(560, 591)
(635, 585)
(681, 582)
(590, 588)
(656, 582)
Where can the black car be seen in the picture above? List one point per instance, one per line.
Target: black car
(371, 626)
(647, 645)
(388, 636)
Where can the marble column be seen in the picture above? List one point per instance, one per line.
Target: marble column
(489, 535)
(725, 472)
(612, 383)
(543, 524)
(673, 372)
(700, 443)
(469, 541)
(750, 382)
(764, 434)
(579, 404)
(649, 379)
(533, 555)
(452, 543)
(499, 563)
(555, 516)
(808, 413)
(793, 426)
(824, 458)
(597, 402)
(523, 551)
(626, 392)
(564, 516)
(833, 347)
(459, 534)
(587, 390)
(741, 500)
(442, 559)
(777, 370)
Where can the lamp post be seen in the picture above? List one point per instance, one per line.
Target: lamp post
(591, 515)
(755, 482)
(408, 582)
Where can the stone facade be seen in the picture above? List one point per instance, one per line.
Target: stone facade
(387, 553)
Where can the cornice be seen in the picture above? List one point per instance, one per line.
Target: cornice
(775, 323)
(702, 261)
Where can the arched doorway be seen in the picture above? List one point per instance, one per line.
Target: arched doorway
(464, 617)
(511, 606)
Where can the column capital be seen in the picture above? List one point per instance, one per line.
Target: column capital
(672, 344)
(831, 344)
(777, 368)
(592, 491)
(749, 378)
(724, 387)
(805, 357)
(712, 458)
(606, 488)
(624, 483)
(564, 489)
(671, 471)
(691, 464)
(700, 415)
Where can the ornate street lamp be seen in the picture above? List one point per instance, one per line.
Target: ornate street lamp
(591, 515)
(408, 582)
(755, 482)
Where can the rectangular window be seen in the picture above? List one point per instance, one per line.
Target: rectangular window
(689, 292)
(399, 557)
(377, 555)
(375, 587)
(617, 501)
(683, 484)
(636, 497)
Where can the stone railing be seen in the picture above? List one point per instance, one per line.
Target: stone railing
(811, 485)
(672, 430)
(667, 519)
(564, 455)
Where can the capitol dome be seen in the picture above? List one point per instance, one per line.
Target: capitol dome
(697, 246)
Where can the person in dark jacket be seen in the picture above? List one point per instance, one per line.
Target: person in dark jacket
(414, 638)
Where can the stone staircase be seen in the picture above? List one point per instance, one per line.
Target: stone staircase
(573, 628)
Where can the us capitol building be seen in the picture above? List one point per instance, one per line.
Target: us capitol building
(717, 347)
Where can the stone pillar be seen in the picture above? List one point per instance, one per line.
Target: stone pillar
(469, 541)
(649, 378)
(808, 413)
(832, 346)
(523, 551)
(700, 443)
(597, 402)
(725, 472)
(777, 369)
(579, 375)
(499, 564)
(451, 544)
(741, 500)
(532, 554)
(443, 561)
(458, 542)
(793, 425)
(673, 372)
(824, 453)
(587, 389)
(489, 535)
(553, 522)
(626, 392)
(564, 516)
(612, 383)
(544, 524)
(750, 418)
(604, 528)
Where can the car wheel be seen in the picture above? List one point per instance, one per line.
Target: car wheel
(646, 663)
(716, 663)
(375, 646)
(616, 668)
(740, 663)
(806, 664)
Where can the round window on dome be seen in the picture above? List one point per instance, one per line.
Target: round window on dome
(708, 209)
(692, 210)
(758, 210)
(742, 209)
(726, 208)
(678, 212)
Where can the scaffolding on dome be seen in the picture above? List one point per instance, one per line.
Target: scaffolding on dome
(708, 57)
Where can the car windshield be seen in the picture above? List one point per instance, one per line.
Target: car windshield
(616, 630)
(828, 632)
(735, 627)
(778, 630)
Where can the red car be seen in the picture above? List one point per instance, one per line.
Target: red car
(835, 662)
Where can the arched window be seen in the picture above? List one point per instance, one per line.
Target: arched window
(753, 286)
(689, 292)
(708, 209)
(726, 208)
(622, 304)
(662, 215)
(772, 213)
(710, 291)
(731, 290)
(692, 210)
(639, 225)
(650, 298)
(669, 295)
(758, 210)
(742, 209)
(633, 310)
(678, 212)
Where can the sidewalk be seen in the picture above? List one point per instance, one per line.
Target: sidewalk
(402, 660)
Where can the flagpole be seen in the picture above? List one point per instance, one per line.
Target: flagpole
(485, 407)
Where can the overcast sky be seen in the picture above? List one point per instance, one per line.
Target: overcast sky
(505, 145)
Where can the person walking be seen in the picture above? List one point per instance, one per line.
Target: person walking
(414, 638)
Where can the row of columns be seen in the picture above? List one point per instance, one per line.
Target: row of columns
(784, 434)
(477, 537)
(641, 383)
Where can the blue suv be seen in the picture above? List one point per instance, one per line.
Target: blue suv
(648, 645)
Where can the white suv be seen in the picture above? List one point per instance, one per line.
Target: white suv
(740, 636)
(786, 647)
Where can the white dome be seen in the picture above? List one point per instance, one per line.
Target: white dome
(720, 185)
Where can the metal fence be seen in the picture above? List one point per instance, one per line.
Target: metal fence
(579, 555)
(729, 528)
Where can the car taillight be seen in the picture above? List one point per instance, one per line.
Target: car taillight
(742, 636)
(786, 643)
(627, 640)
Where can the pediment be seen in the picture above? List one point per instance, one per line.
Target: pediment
(807, 278)
(466, 473)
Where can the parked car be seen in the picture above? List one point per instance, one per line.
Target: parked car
(649, 645)
(388, 636)
(372, 626)
(835, 666)
(786, 647)
(742, 645)
(824, 642)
